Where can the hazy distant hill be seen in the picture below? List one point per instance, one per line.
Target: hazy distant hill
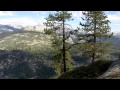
(8, 28)
(17, 28)
(38, 28)
(116, 41)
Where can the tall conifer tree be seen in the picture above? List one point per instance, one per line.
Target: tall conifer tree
(54, 21)
(97, 30)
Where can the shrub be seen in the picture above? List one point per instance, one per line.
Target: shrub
(91, 71)
(48, 32)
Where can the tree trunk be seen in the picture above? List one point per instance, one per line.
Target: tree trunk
(64, 56)
(93, 56)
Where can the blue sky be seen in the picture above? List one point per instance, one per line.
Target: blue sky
(37, 17)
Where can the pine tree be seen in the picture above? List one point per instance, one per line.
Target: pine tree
(55, 22)
(97, 30)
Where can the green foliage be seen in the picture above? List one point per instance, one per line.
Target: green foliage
(58, 63)
(56, 41)
(48, 32)
(69, 61)
(53, 22)
(91, 71)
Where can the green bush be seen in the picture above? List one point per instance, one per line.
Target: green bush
(91, 71)
(48, 32)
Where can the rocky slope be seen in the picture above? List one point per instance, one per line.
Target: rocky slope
(113, 72)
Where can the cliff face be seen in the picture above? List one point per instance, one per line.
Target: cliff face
(113, 72)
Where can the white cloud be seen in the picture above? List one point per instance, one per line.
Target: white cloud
(23, 21)
(77, 14)
(41, 20)
(6, 13)
(40, 12)
(19, 21)
(114, 17)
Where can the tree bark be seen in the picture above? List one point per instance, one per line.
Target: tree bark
(94, 35)
(64, 54)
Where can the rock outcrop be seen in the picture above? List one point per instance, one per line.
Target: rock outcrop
(113, 72)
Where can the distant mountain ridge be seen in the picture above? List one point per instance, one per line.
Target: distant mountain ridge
(117, 35)
(8, 28)
(17, 28)
(39, 28)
